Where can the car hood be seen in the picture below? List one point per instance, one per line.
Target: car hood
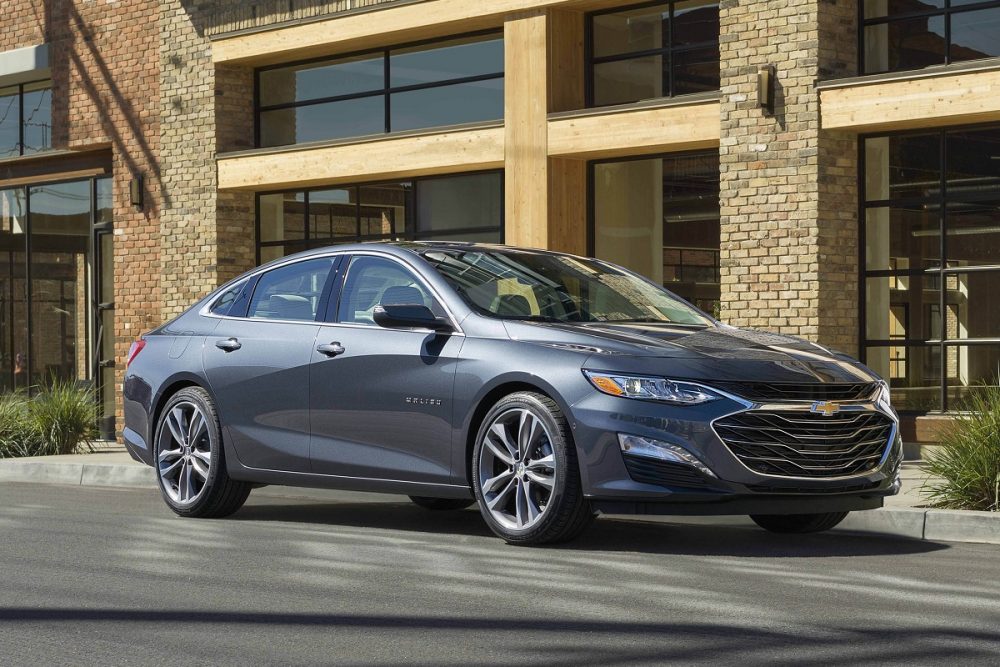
(720, 352)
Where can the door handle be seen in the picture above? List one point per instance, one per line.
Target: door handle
(228, 344)
(330, 349)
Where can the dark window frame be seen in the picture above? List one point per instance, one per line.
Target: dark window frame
(941, 199)
(20, 116)
(385, 92)
(945, 12)
(410, 232)
(667, 51)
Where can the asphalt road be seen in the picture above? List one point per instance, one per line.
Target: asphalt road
(110, 576)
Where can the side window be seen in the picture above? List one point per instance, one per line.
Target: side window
(291, 292)
(375, 280)
(224, 302)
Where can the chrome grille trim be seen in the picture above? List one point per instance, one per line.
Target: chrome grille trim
(852, 443)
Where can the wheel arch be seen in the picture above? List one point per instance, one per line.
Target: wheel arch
(170, 387)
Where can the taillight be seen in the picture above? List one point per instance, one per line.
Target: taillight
(134, 351)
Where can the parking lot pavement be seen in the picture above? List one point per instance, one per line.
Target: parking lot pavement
(103, 575)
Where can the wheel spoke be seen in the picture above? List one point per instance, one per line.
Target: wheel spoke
(200, 468)
(507, 454)
(494, 482)
(540, 479)
(175, 422)
(526, 434)
(173, 466)
(196, 428)
(205, 457)
(497, 500)
(170, 454)
(185, 482)
(531, 508)
(548, 461)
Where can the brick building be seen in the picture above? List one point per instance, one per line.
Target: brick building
(150, 150)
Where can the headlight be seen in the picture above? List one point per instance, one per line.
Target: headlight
(650, 388)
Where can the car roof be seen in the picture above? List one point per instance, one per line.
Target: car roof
(401, 248)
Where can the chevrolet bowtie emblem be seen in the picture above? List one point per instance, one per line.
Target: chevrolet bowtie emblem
(825, 408)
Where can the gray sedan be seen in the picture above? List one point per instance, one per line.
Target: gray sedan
(545, 387)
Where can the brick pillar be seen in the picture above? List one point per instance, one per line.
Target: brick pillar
(206, 237)
(788, 190)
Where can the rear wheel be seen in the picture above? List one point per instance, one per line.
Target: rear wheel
(798, 523)
(190, 461)
(525, 473)
(442, 504)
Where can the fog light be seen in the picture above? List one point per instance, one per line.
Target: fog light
(637, 445)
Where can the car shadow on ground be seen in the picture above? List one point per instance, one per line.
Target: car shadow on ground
(605, 534)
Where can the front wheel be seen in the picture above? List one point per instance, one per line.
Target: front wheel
(525, 473)
(798, 523)
(190, 461)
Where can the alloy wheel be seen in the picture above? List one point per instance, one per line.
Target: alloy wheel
(517, 469)
(185, 452)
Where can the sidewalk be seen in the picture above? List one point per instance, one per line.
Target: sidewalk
(902, 515)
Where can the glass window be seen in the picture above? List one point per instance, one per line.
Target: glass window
(430, 85)
(291, 292)
(463, 207)
(10, 122)
(525, 285)
(332, 213)
(654, 50)
(26, 119)
(225, 301)
(459, 203)
(300, 83)
(375, 280)
(932, 249)
(13, 290)
(468, 57)
(903, 35)
(660, 218)
(447, 105)
(37, 119)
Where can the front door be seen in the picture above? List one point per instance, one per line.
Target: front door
(382, 398)
(258, 365)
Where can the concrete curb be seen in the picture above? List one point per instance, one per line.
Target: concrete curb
(914, 523)
(77, 473)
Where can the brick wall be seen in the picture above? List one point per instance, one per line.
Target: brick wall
(788, 189)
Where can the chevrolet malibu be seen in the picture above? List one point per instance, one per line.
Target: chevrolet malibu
(546, 388)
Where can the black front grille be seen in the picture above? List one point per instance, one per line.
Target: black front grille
(829, 487)
(792, 443)
(665, 473)
(761, 392)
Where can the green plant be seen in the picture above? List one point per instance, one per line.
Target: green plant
(19, 434)
(65, 413)
(965, 469)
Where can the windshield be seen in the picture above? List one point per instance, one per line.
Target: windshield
(557, 288)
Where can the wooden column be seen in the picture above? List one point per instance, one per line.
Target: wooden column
(526, 140)
(567, 223)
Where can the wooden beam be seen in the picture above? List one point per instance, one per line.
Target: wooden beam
(399, 157)
(637, 131)
(381, 27)
(568, 205)
(525, 99)
(566, 60)
(935, 101)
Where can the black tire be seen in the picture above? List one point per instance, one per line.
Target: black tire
(798, 523)
(567, 512)
(220, 495)
(442, 504)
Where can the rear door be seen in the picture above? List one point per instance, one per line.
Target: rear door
(257, 362)
(382, 404)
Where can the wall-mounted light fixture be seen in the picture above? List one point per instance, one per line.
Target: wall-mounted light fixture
(135, 192)
(766, 84)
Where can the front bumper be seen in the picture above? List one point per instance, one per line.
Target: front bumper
(622, 484)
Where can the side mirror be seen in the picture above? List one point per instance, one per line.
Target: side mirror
(409, 316)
